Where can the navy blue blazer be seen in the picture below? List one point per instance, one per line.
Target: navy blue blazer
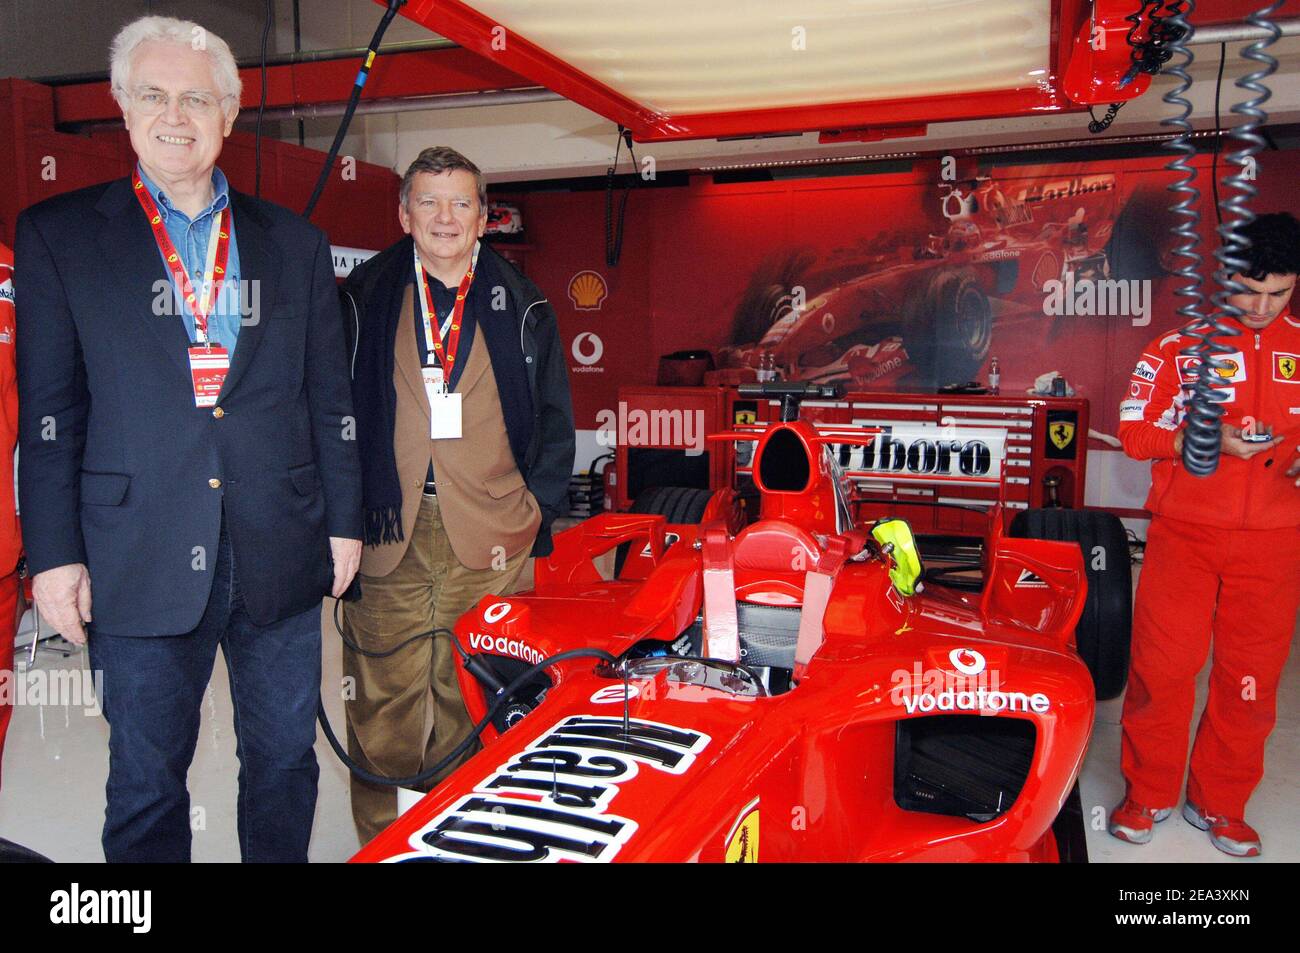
(117, 467)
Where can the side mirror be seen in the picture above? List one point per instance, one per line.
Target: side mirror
(897, 542)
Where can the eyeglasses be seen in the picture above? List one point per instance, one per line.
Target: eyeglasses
(150, 101)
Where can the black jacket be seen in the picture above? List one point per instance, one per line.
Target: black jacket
(546, 461)
(119, 470)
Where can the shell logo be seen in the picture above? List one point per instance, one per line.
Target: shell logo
(587, 290)
(1228, 369)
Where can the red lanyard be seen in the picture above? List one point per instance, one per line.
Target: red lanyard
(445, 357)
(218, 258)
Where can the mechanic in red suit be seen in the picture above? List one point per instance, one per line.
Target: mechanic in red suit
(1222, 561)
(10, 542)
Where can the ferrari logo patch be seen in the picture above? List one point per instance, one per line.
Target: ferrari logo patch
(742, 842)
(1061, 433)
(1286, 367)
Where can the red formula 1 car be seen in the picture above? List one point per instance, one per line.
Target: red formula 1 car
(787, 692)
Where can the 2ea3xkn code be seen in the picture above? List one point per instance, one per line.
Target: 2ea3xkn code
(1202, 896)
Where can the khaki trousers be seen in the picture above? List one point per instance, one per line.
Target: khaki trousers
(391, 729)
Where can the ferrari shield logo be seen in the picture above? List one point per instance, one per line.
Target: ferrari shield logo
(746, 417)
(1286, 367)
(1061, 433)
(742, 841)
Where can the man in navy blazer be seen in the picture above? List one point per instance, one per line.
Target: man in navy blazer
(187, 452)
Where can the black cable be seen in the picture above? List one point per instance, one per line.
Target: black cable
(1146, 56)
(614, 233)
(609, 199)
(501, 698)
(362, 74)
(1163, 32)
(261, 106)
(432, 633)
(1134, 47)
(1102, 124)
(1167, 28)
(297, 48)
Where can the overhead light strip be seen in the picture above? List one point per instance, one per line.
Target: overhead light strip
(970, 151)
(828, 160)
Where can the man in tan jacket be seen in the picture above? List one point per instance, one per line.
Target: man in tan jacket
(465, 431)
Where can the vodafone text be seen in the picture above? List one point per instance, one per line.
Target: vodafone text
(500, 645)
(935, 690)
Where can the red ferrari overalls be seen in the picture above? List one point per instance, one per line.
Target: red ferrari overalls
(1222, 567)
(10, 543)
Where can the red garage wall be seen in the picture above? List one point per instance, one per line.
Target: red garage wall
(37, 162)
(694, 258)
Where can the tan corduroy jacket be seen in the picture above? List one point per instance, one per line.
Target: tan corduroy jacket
(485, 506)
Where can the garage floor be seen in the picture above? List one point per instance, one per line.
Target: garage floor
(1274, 808)
(56, 763)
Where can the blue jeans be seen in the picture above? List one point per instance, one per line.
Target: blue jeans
(152, 691)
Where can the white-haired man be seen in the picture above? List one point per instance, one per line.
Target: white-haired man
(185, 434)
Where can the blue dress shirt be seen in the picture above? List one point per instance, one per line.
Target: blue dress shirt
(191, 240)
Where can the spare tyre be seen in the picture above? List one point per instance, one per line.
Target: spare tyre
(1105, 628)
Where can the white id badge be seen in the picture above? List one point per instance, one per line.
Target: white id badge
(208, 369)
(444, 416)
(444, 408)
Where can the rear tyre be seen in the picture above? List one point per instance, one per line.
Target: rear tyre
(1105, 628)
(767, 296)
(676, 504)
(949, 328)
(1141, 244)
(1069, 832)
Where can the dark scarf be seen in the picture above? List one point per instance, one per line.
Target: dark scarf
(377, 287)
